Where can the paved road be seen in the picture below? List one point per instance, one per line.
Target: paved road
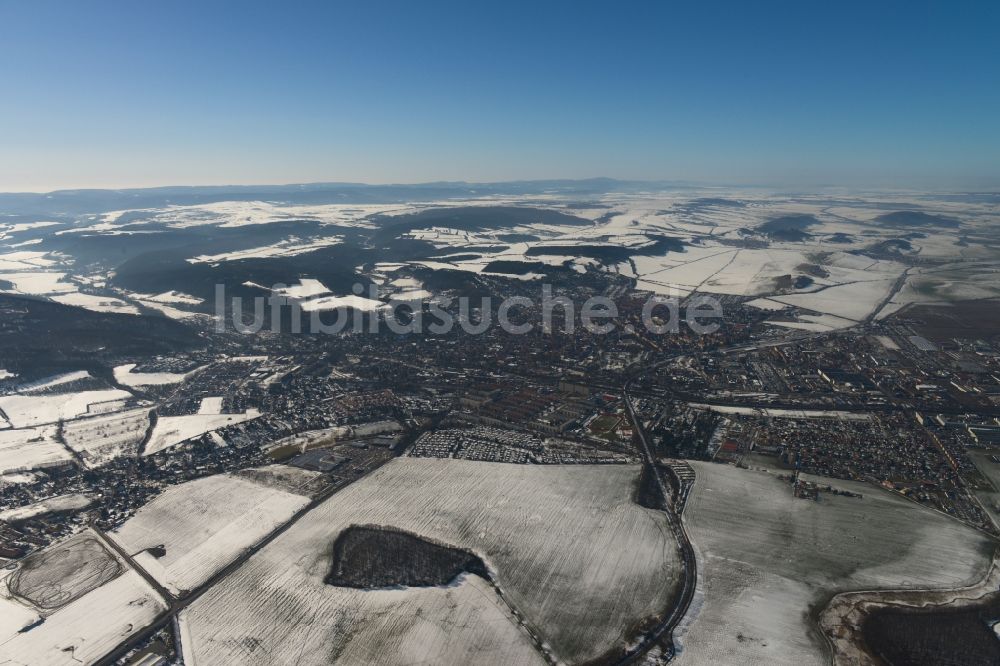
(175, 605)
(689, 565)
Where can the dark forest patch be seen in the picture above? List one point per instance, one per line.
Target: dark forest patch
(904, 637)
(511, 267)
(647, 491)
(915, 218)
(44, 335)
(814, 270)
(788, 227)
(611, 254)
(367, 556)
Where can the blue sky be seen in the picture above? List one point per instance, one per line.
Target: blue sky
(860, 94)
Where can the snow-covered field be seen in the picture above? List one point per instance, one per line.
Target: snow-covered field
(55, 380)
(287, 248)
(210, 405)
(768, 561)
(465, 623)
(96, 303)
(31, 448)
(70, 502)
(172, 430)
(38, 283)
(204, 525)
(81, 631)
(572, 553)
(25, 411)
(125, 376)
(784, 413)
(100, 439)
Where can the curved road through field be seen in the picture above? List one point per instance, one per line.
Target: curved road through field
(689, 566)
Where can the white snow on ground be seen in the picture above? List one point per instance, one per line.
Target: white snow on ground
(6, 229)
(204, 525)
(54, 380)
(25, 260)
(307, 288)
(375, 428)
(176, 297)
(589, 564)
(848, 301)
(30, 448)
(242, 213)
(286, 248)
(464, 623)
(785, 413)
(767, 559)
(172, 430)
(125, 376)
(14, 615)
(96, 303)
(334, 302)
(25, 411)
(412, 295)
(39, 283)
(101, 439)
(85, 630)
(211, 405)
(767, 304)
(15, 478)
(53, 504)
(170, 311)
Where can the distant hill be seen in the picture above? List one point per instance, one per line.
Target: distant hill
(77, 202)
(788, 227)
(915, 218)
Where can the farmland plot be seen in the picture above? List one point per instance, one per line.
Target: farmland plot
(26, 411)
(101, 439)
(768, 562)
(63, 503)
(124, 375)
(205, 524)
(172, 430)
(89, 601)
(571, 552)
(31, 448)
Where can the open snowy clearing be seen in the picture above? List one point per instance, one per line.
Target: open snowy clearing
(588, 565)
(101, 439)
(325, 303)
(287, 248)
(464, 623)
(25, 411)
(172, 430)
(38, 283)
(96, 303)
(83, 631)
(849, 301)
(125, 376)
(30, 448)
(211, 405)
(55, 380)
(769, 561)
(203, 525)
(784, 413)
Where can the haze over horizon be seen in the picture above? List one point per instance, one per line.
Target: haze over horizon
(114, 96)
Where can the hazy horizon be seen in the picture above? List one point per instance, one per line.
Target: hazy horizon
(105, 95)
